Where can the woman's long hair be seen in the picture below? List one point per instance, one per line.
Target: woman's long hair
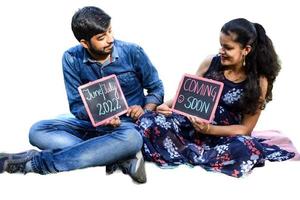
(262, 60)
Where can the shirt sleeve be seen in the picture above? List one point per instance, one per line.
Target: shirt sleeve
(72, 82)
(149, 77)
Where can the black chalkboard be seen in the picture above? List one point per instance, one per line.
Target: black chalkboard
(103, 99)
(197, 96)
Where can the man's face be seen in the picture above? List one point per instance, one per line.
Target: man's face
(101, 44)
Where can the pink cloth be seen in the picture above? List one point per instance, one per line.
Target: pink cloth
(274, 137)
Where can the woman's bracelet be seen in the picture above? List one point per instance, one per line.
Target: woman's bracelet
(207, 128)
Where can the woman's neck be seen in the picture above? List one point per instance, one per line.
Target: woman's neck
(235, 74)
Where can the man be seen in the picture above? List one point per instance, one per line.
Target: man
(72, 142)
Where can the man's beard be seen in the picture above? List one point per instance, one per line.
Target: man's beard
(99, 53)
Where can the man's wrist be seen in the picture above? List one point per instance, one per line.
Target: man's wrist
(146, 110)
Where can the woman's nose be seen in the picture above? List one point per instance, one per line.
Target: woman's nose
(221, 50)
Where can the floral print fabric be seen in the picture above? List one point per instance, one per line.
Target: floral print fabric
(170, 141)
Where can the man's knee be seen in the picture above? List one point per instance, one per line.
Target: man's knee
(36, 132)
(135, 140)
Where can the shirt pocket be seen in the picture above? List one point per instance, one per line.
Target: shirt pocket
(129, 83)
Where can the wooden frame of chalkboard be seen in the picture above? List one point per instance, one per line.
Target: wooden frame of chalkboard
(103, 99)
(197, 96)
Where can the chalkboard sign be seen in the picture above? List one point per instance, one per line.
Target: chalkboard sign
(197, 96)
(103, 99)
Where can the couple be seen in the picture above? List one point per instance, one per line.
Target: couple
(247, 65)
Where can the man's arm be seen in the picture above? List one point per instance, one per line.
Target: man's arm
(72, 82)
(149, 79)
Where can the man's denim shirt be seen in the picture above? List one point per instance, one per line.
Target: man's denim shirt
(128, 62)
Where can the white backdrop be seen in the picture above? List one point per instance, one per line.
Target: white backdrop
(177, 36)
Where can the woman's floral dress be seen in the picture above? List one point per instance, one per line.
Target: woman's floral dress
(171, 140)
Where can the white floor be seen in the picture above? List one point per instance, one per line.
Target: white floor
(274, 181)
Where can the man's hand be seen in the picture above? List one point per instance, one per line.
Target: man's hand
(114, 122)
(135, 112)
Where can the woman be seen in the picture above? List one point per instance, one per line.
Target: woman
(247, 64)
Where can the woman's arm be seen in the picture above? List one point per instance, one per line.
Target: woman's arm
(165, 108)
(204, 66)
(245, 128)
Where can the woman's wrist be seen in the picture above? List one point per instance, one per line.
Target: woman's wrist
(206, 129)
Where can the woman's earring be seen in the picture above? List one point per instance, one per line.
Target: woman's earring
(244, 61)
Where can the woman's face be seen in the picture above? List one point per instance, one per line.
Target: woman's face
(231, 52)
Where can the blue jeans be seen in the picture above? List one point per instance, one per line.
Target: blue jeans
(70, 143)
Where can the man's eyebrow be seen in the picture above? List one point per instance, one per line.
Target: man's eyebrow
(100, 34)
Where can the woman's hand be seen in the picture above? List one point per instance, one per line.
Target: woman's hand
(199, 125)
(164, 109)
